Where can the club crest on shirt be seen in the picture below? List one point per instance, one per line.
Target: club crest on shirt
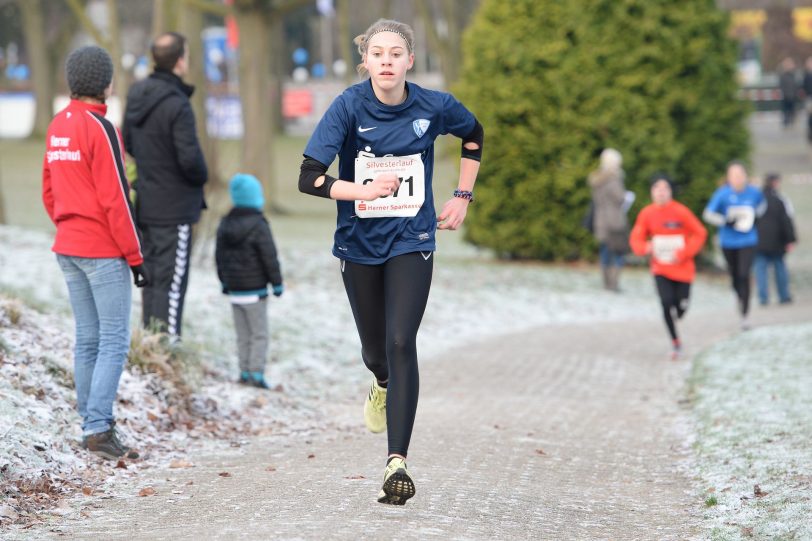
(420, 126)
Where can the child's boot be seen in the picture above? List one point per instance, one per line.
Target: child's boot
(258, 380)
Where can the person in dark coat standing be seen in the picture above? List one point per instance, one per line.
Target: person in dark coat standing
(776, 237)
(159, 132)
(807, 90)
(246, 263)
(610, 225)
(788, 83)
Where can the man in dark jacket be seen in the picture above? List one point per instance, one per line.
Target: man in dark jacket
(159, 132)
(776, 236)
(246, 264)
(807, 90)
(788, 83)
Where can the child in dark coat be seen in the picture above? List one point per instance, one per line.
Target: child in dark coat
(246, 264)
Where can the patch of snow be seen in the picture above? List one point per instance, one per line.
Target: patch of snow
(753, 415)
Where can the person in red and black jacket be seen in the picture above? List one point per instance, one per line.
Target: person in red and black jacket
(670, 233)
(86, 194)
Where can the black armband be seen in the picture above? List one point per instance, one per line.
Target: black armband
(311, 170)
(477, 136)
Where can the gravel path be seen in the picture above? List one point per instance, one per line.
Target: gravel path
(568, 432)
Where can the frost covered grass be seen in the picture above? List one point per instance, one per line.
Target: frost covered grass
(174, 400)
(753, 416)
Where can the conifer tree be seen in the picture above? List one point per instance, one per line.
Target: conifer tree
(556, 81)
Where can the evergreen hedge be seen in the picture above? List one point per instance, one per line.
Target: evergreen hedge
(556, 81)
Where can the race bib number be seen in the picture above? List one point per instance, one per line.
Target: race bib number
(664, 248)
(744, 215)
(406, 200)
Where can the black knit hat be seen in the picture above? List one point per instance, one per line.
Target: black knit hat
(89, 71)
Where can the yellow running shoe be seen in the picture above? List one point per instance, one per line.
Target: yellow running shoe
(375, 408)
(397, 483)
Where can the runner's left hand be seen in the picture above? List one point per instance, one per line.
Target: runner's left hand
(453, 213)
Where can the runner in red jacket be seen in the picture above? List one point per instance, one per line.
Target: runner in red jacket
(670, 233)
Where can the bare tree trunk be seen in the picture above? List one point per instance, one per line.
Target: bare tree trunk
(779, 38)
(345, 39)
(158, 17)
(444, 46)
(78, 9)
(255, 29)
(2, 203)
(453, 59)
(386, 9)
(277, 71)
(120, 82)
(41, 73)
(258, 26)
(191, 25)
(165, 16)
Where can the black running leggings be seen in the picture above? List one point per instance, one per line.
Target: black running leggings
(739, 265)
(388, 301)
(674, 299)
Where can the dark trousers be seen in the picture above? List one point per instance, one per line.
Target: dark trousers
(674, 300)
(739, 266)
(388, 301)
(788, 112)
(166, 256)
(765, 260)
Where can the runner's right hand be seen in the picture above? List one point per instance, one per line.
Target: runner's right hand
(383, 185)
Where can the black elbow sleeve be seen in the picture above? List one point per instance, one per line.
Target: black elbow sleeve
(476, 136)
(310, 171)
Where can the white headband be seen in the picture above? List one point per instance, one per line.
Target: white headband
(408, 45)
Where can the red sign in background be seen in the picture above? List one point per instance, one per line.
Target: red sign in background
(297, 102)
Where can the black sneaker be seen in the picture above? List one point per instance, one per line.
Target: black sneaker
(107, 445)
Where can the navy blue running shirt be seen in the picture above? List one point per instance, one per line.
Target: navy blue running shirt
(358, 122)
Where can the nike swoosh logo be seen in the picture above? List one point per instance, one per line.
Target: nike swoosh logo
(362, 130)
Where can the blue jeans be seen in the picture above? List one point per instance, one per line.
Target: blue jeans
(609, 258)
(761, 265)
(100, 295)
